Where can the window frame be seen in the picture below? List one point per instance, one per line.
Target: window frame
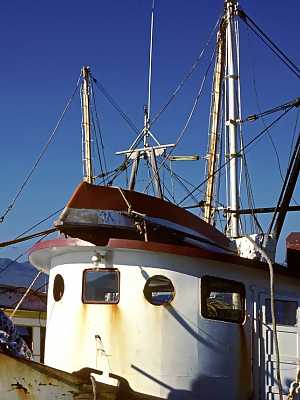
(58, 291)
(146, 287)
(235, 286)
(107, 269)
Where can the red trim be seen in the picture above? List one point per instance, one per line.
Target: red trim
(87, 196)
(176, 250)
(145, 246)
(169, 249)
(59, 242)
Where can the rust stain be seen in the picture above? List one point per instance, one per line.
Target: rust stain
(19, 386)
(21, 391)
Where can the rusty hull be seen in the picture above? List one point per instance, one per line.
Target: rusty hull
(22, 379)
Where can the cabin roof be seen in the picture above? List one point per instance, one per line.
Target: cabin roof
(187, 251)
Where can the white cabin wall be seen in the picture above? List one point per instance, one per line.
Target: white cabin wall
(159, 349)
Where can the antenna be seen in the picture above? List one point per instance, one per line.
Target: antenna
(150, 61)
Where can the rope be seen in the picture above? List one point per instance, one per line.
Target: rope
(44, 149)
(25, 294)
(23, 239)
(272, 300)
(138, 218)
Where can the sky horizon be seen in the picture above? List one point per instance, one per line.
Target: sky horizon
(44, 47)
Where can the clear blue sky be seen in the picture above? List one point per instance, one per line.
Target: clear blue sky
(43, 46)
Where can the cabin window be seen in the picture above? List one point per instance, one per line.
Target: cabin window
(285, 312)
(58, 287)
(222, 299)
(159, 290)
(101, 285)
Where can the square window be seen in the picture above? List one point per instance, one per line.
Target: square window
(101, 285)
(222, 299)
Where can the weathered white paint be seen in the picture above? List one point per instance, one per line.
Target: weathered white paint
(169, 351)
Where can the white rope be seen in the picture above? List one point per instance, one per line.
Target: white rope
(25, 294)
(272, 301)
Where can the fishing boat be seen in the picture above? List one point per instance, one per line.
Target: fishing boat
(148, 300)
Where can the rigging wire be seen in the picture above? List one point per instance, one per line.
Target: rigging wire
(269, 43)
(187, 76)
(256, 138)
(184, 129)
(43, 151)
(99, 128)
(10, 263)
(39, 223)
(278, 108)
(179, 180)
(29, 237)
(97, 147)
(44, 233)
(125, 164)
(115, 105)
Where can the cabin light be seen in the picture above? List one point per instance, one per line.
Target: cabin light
(98, 258)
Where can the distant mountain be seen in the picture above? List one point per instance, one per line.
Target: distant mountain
(17, 274)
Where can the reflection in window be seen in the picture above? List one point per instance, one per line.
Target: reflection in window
(101, 286)
(159, 290)
(285, 312)
(222, 299)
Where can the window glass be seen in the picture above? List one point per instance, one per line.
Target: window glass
(101, 286)
(159, 290)
(285, 312)
(222, 299)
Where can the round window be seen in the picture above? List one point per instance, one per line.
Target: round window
(58, 287)
(159, 290)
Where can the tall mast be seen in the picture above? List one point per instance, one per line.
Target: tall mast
(231, 123)
(86, 126)
(214, 126)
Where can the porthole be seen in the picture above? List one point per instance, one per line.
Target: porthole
(58, 287)
(159, 290)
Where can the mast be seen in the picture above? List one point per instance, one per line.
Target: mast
(232, 116)
(86, 126)
(215, 118)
